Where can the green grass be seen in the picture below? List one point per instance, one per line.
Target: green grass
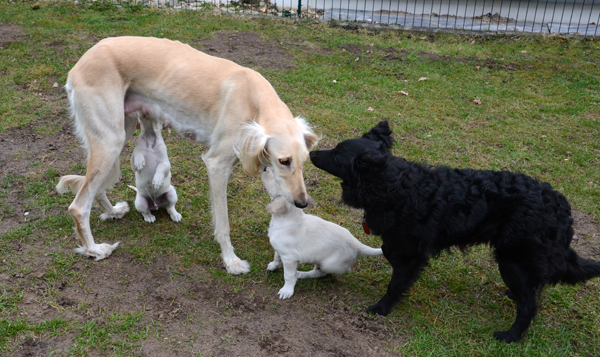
(539, 115)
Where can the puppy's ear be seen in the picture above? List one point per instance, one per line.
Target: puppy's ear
(252, 150)
(278, 206)
(311, 203)
(370, 160)
(309, 136)
(381, 132)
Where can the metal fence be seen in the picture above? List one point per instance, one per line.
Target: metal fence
(576, 17)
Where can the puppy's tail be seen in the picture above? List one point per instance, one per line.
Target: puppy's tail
(577, 269)
(366, 251)
(70, 183)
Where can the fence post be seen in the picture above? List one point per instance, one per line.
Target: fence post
(299, 8)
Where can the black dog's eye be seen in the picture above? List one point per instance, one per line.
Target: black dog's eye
(285, 162)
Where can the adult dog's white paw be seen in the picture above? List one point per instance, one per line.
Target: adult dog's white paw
(273, 266)
(97, 251)
(237, 266)
(119, 211)
(285, 292)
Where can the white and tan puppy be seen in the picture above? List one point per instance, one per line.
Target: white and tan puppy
(300, 238)
(232, 110)
(152, 169)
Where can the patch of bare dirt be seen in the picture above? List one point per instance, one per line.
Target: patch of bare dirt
(396, 54)
(10, 33)
(29, 151)
(246, 49)
(195, 313)
(586, 241)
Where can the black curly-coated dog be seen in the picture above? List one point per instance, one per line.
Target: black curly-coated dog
(420, 210)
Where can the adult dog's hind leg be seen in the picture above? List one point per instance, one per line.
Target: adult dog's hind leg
(219, 163)
(100, 164)
(120, 209)
(523, 291)
(101, 120)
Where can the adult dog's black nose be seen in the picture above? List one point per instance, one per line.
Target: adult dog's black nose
(301, 204)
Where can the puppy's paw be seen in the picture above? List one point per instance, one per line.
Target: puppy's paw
(158, 181)
(118, 211)
(175, 216)
(273, 266)
(506, 336)
(139, 161)
(148, 217)
(379, 309)
(286, 292)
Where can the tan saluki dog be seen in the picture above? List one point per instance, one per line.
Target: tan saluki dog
(232, 110)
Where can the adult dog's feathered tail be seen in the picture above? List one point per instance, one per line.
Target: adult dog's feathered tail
(366, 251)
(70, 183)
(576, 269)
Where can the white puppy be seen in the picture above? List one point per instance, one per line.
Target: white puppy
(152, 172)
(300, 238)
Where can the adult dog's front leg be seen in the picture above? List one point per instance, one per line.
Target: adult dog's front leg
(219, 168)
(406, 270)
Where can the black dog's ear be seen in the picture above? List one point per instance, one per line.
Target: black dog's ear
(370, 160)
(381, 132)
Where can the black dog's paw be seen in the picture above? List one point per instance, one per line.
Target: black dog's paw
(379, 309)
(506, 336)
(509, 294)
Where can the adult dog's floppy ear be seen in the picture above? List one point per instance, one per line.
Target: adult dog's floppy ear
(279, 205)
(252, 151)
(370, 160)
(309, 136)
(381, 132)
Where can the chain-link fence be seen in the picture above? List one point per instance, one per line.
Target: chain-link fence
(577, 17)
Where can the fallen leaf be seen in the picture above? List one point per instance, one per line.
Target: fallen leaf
(403, 92)
(523, 51)
(356, 60)
(55, 85)
(423, 79)
(370, 109)
(477, 101)
(478, 67)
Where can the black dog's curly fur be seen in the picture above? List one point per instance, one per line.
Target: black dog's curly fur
(420, 210)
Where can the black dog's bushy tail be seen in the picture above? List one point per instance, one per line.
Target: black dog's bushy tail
(577, 269)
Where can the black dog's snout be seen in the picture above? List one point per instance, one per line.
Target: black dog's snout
(313, 154)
